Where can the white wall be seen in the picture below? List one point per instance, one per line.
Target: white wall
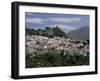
(5, 40)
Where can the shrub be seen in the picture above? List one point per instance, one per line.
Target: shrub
(55, 60)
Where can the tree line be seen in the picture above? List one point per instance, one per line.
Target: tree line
(48, 32)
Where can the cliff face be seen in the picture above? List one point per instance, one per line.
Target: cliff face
(40, 44)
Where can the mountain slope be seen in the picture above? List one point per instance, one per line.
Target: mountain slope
(81, 33)
(47, 32)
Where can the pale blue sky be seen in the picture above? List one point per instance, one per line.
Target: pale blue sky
(66, 22)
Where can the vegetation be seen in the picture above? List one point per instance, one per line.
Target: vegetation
(48, 32)
(54, 60)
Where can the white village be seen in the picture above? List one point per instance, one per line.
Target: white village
(36, 45)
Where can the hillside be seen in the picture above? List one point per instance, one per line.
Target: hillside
(80, 34)
(50, 47)
(42, 51)
(47, 32)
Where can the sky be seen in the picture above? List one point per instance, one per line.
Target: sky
(66, 22)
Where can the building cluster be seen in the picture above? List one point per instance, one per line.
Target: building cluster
(35, 45)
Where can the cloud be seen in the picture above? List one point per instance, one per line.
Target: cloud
(65, 20)
(53, 20)
(35, 20)
(66, 28)
(29, 13)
